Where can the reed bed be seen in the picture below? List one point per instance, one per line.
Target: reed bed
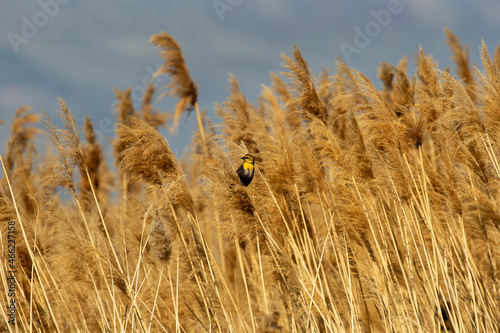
(371, 210)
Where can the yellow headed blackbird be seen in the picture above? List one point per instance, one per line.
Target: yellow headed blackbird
(245, 171)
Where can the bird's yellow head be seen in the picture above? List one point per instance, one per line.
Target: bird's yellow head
(248, 161)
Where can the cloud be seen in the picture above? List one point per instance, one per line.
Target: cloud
(276, 10)
(433, 13)
(15, 95)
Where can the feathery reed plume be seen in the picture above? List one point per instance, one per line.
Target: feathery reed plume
(100, 176)
(124, 108)
(403, 94)
(496, 57)
(238, 126)
(181, 85)
(281, 90)
(269, 102)
(412, 125)
(386, 74)
(403, 63)
(148, 113)
(235, 211)
(71, 155)
(62, 168)
(124, 113)
(302, 86)
(463, 114)
(427, 74)
(398, 89)
(67, 143)
(160, 238)
(428, 89)
(326, 90)
(490, 81)
(377, 123)
(461, 59)
(371, 210)
(324, 145)
(20, 154)
(21, 135)
(237, 99)
(274, 144)
(147, 156)
(348, 129)
(357, 156)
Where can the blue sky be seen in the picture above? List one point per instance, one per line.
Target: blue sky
(80, 50)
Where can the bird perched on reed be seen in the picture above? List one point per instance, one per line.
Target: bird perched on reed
(246, 170)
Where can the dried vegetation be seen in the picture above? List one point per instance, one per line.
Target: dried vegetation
(371, 210)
